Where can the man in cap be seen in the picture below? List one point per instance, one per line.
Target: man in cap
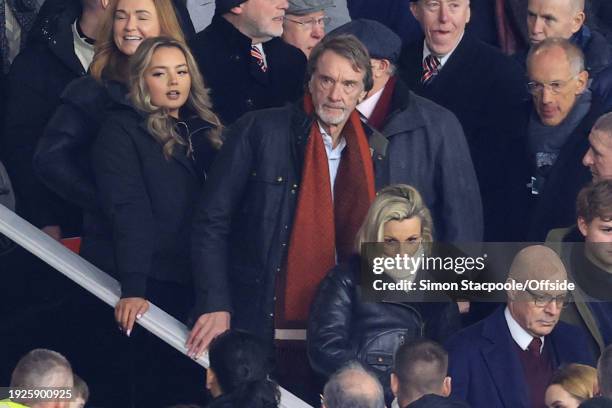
(426, 145)
(485, 90)
(244, 62)
(305, 22)
(507, 359)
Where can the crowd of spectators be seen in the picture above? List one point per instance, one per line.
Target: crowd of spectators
(234, 162)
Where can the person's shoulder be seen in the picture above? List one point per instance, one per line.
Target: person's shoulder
(83, 90)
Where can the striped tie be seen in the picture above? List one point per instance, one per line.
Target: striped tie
(431, 66)
(259, 59)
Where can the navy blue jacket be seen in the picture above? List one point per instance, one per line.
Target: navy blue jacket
(486, 370)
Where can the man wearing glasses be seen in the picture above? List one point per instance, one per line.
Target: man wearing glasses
(563, 114)
(305, 22)
(507, 359)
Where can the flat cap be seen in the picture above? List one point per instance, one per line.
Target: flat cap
(299, 7)
(380, 41)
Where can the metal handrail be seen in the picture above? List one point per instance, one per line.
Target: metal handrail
(104, 287)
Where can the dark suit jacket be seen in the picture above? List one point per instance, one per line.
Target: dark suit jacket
(485, 90)
(487, 372)
(224, 56)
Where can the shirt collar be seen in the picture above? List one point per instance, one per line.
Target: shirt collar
(367, 107)
(444, 58)
(332, 153)
(520, 335)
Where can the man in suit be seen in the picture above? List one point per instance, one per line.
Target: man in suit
(426, 145)
(244, 62)
(562, 116)
(485, 90)
(507, 359)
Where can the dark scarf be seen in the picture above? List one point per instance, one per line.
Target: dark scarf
(545, 142)
(324, 227)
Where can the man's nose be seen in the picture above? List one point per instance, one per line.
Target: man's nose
(443, 13)
(318, 31)
(335, 92)
(587, 160)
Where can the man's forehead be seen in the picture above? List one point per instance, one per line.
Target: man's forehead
(552, 60)
(601, 138)
(307, 16)
(552, 6)
(333, 64)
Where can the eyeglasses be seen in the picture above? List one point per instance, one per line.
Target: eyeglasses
(536, 88)
(311, 22)
(543, 300)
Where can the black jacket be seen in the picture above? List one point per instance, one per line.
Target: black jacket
(343, 326)
(224, 56)
(427, 149)
(243, 223)
(436, 401)
(37, 78)
(556, 205)
(485, 90)
(147, 199)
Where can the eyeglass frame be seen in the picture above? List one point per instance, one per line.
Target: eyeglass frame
(567, 298)
(537, 88)
(310, 23)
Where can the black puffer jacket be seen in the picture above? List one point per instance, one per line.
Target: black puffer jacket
(342, 327)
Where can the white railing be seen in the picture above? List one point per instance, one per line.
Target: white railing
(103, 286)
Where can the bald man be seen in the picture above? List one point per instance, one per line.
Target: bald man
(353, 386)
(507, 359)
(566, 19)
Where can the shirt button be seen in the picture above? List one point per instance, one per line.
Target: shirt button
(284, 244)
(271, 314)
(286, 226)
(279, 179)
(277, 269)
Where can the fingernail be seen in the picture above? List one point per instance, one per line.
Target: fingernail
(128, 333)
(138, 316)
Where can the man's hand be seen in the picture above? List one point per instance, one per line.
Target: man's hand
(128, 310)
(205, 329)
(54, 231)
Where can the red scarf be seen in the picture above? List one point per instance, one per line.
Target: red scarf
(324, 226)
(383, 106)
(505, 32)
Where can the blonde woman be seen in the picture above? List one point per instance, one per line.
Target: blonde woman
(343, 327)
(571, 385)
(150, 162)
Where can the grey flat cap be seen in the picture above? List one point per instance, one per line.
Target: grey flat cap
(299, 7)
(380, 41)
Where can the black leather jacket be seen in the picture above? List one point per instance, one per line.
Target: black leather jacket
(342, 327)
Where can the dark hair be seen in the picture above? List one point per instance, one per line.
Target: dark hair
(420, 367)
(604, 372)
(595, 200)
(242, 364)
(348, 47)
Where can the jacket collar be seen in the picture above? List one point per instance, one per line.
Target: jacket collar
(503, 363)
(405, 114)
(56, 33)
(231, 35)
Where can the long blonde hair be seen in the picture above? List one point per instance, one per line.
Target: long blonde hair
(108, 61)
(396, 202)
(159, 123)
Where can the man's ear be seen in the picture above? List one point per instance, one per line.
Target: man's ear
(447, 386)
(578, 22)
(414, 8)
(236, 10)
(583, 82)
(582, 226)
(211, 379)
(394, 384)
(104, 3)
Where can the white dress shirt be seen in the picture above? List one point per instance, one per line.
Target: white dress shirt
(367, 107)
(442, 58)
(333, 155)
(520, 335)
